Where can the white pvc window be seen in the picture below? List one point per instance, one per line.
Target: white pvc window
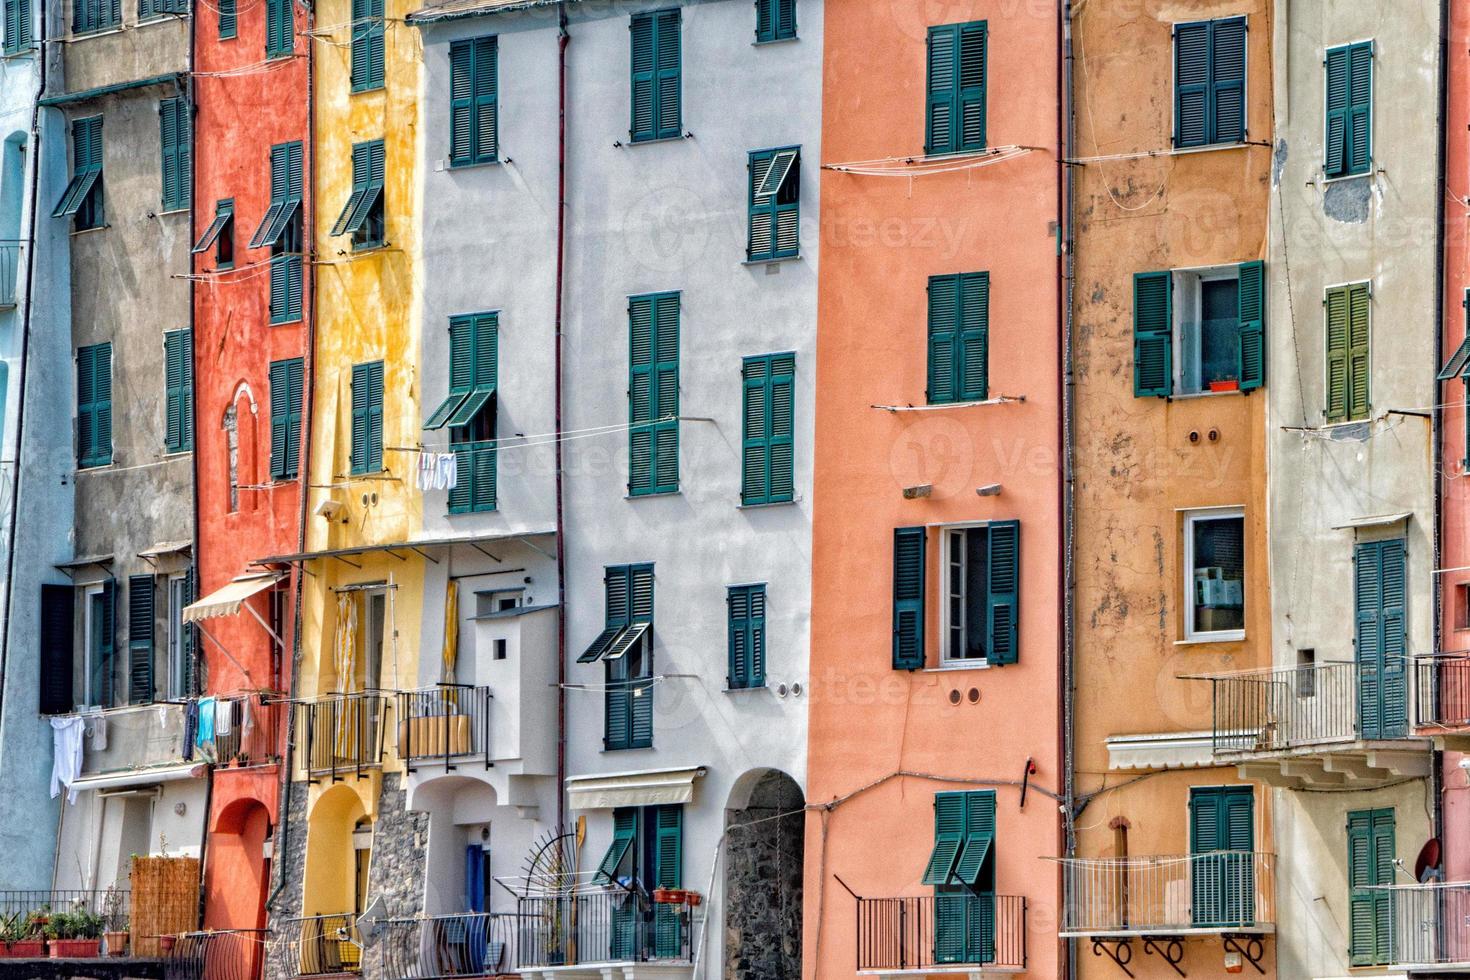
(1214, 574)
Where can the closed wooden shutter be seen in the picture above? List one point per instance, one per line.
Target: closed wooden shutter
(227, 19)
(957, 82)
(1252, 310)
(173, 128)
(668, 872)
(140, 639)
(1209, 82)
(1347, 382)
(57, 639)
(1222, 835)
(653, 394)
(1153, 334)
(959, 337)
(775, 20)
(19, 33)
(367, 417)
(908, 598)
(1349, 94)
(280, 30)
(104, 650)
(178, 358)
(287, 380)
(656, 69)
(746, 609)
(1371, 852)
(94, 405)
(1381, 645)
(367, 45)
(473, 85)
(767, 452)
(1003, 595)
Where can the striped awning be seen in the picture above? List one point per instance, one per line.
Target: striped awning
(226, 601)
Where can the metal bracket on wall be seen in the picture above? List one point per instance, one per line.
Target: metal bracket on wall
(1251, 949)
(1120, 952)
(1170, 949)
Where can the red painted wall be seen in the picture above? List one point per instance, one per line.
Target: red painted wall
(244, 105)
(882, 237)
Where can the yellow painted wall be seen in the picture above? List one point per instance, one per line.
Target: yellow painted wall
(366, 308)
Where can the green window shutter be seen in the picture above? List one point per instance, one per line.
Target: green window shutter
(367, 417)
(1349, 109)
(473, 101)
(285, 303)
(775, 20)
(668, 872)
(1371, 846)
(908, 598)
(1222, 834)
(57, 648)
(1337, 112)
(1251, 369)
(1359, 401)
(367, 45)
(746, 606)
(178, 357)
(972, 866)
(140, 639)
(473, 356)
(767, 461)
(949, 837)
(19, 34)
(1003, 595)
(94, 405)
(957, 79)
(959, 329)
(656, 70)
(1381, 652)
(368, 171)
(227, 25)
(962, 873)
(104, 652)
(287, 382)
(83, 192)
(1336, 408)
(1227, 80)
(643, 125)
(944, 312)
(173, 128)
(1348, 353)
(1209, 82)
(1153, 334)
(773, 204)
(625, 829)
(280, 28)
(653, 394)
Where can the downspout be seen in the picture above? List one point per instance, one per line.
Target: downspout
(1066, 263)
(563, 39)
(1436, 425)
(303, 472)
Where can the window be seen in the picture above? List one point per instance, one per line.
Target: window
(1349, 110)
(469, 412)
(98, 606)
(178, 360)
(287, 384)
(980, 582)
(1348, 330)
(221, 234)
(1209, 82)
(646, 853)
(95, 15)
(82, 198)
(959, 338)
(177, 652)
(280, 29)
(775, 20)
(1199, 330)
(58, 611)
(1371, 853)
(775, 204)
(280, 231)
(367, 45)
(157, 8)
(363, 215)
(625, 645)
(657, 70)
(746, 605)
(173, 132)
(1462, 605)
(140, 639)
(367, 417)
(961, 870)
(1380, 641)
(955, 116)
(474, 131)
(653, 394)
(766, 464)
(94, 405)
(1306, 673)
(1214, 566)
(226, 9)
(18, 32)
(1222, 842)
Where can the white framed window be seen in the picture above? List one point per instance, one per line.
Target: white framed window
(1214, 574)
(96, 665)
(964, 595)
(1207, 330)
(177, 656)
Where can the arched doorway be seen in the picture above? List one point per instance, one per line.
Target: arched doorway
(237, 879)
(765, 830)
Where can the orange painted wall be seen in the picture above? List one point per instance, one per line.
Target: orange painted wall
(882, 237)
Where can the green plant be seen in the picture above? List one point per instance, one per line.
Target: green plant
(79, 923)
(14, 927)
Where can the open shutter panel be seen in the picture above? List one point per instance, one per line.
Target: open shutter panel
(944, 311)
(949, 836)
(972, 82)
(642, 126)
(1191, 84)
(1252, 307)
(625, 828)
(102, 687)
(939, 133)
(140, 639)
(1359, 396)
(1361, 924)
(908, 598)
(973, 356)
(1153, 329)
(1227, 80)
(57, 623)
(1003, 601)
(668, 852)
(979, 838)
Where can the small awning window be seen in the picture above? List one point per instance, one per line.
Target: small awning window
(471, 406)
(607, 871)
(277, 218)
(942, 859)
(1457, 362)
(776, 176)
(972, 858)
(599, 646)
(358, 207)
(446, 408)
(222, 217)
(625, 641)
(76, 192)
(226, 601)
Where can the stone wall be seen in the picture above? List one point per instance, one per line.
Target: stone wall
(762, 902)
(288, 866)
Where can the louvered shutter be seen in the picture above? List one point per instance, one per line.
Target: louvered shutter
(188, 645)
(640, 594)
(761, 242)
(943, 57)
(654, 394)
(781, 382)
(1239, 872)
(227, 19)
(1336, 408)
(19, 34)
(1251, 369)
(668, 872)
(1382, 856)
(1204, 836)
(1359, 401)
(285, 301)
(461, 102)
(1360, 108)
(668, 58)
(970, 108)
(949, 837)
(1362, 926)
(972, 351)
(737, 604)
(640, 395)
(1003, 596)
(57, 639)
(173, 124)
(178, 348)
(944, 311)
(1153, 333)
(755, 446)
(908, 598)
(86, 410)
(367, 45)
(644, 124)
(287, 381)
(1368, 633)
(775, 20)
(640, 610)
(140, 639)
(625, 830)
(1394, 679)
(617, 730)
(487, 84)
(1191, 84)
(367, 417)
(1227, 80)
(105, 652)
(280, 32)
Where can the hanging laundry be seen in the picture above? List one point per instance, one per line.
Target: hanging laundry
(66, 755)
(424, 478)
(97, 733)
(205, 734)
(223, 711)
(437, 471)
(191, 726)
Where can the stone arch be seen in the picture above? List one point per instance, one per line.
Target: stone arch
(765, 833)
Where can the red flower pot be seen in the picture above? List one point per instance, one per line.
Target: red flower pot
(80, 949)
(1230, 385)
(24, 949)
(166, 943)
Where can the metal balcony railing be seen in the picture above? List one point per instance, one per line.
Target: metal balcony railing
(224, 954)
(444, 724)
(317, 945)
(254, 736)
(110, 904)
(1284, 708)
(1442, 692)
(1222, 891)
(342, 734)
(614, 926)
(463, 944)
(1430, 923)
(927, 931)
(9, 272)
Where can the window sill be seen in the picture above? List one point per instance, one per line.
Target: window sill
(279, 55)
(746, 690)
(87, 231)
(953, 666)
(25, 52)
(654, 139)
(656, 493)
(631, 748)
(364, 91)
(99, 32)
(1184, 151)
(775, 40)
(159, 19)
(770, 503)
(1191, 395)
(370, 249)
(451, 167)
(94, 467)
(773, 260)
(1342, 177)
(286, 323)
(176, 453)
(170, 211)
(1237, 636)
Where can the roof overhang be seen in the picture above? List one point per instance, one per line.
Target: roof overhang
(420, 546)
(165, 549)
(226, 601)
(101, 561)
(648, 787)
(140, 777)
(1375, 520)
(457, 9)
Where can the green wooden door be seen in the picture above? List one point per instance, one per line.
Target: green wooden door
(1381, 654)
(1371, 848)
(962, 871)
(1222, 835)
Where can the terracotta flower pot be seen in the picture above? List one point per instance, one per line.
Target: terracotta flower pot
(24, 949)
(67, 949)
(117, 943)
(166, 943)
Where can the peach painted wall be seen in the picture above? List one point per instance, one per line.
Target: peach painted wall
(882, 237)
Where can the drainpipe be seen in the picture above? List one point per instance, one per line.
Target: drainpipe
(1066, 266)
(563, 39)
(1436, 427)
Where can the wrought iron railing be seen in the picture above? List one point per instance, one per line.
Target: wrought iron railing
(1277, 709)
(1221, 891)
(254, 734)
(1442, 692)
(317, 945)
(110, 904)
(474, 488)
(341, 734)
(443, 724)
(463, 944)
(9, 272)
(1431, 922)
(223, 954)
(614, 926)
(964, 928)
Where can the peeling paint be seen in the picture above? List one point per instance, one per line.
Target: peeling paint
(1347, 201)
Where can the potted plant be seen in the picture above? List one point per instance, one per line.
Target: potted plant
(76, 934)
(115, 936)
(17, 939)
(116, 941)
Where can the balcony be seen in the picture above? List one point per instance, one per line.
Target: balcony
(966, 932)
(341, 735)
(9, 273)
(1442, 700)
(466, 944)
(317, 946)
(1169, 895)
(109, 904)
(1321, 725)
(1430, 926)
(444, 726)
(227, 954)
(137, 744)
(254, 734)
(606, 935)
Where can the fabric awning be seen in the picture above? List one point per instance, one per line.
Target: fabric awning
(226, 601)
(649, 787)
(1174, 750)
(141, 777)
